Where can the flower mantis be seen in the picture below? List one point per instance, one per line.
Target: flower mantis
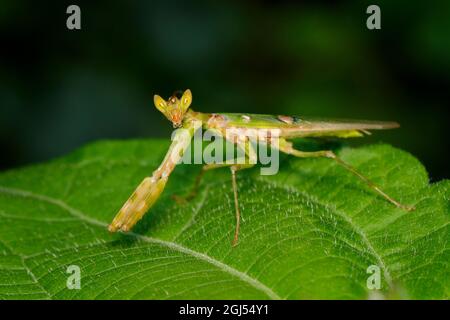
(176, 109)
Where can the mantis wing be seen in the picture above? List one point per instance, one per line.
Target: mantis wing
(337, 128)
(292, 126)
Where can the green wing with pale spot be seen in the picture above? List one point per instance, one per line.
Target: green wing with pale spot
(295, 126)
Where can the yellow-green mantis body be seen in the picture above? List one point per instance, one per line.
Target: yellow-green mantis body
(176, 109)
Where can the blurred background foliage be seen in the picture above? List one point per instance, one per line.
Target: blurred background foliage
(60, 89)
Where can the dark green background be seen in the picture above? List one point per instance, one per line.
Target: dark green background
(60, 89)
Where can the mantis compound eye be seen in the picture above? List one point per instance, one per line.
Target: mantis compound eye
(186, 100)
(160, 103)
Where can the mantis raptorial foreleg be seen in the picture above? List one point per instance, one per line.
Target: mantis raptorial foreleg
(286, 147)
(151, 188)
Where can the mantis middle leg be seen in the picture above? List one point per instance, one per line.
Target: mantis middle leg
(245, 162)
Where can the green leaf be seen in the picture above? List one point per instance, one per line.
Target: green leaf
(309, 232)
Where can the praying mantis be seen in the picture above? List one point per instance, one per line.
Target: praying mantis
(177, 110)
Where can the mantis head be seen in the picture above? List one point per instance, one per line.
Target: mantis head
(174, 108)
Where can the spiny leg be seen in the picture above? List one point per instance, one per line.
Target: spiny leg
(287, 147)
(149, 190)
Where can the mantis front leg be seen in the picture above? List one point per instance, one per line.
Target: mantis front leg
(151, 188)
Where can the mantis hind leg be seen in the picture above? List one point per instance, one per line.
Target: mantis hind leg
(287, 147)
